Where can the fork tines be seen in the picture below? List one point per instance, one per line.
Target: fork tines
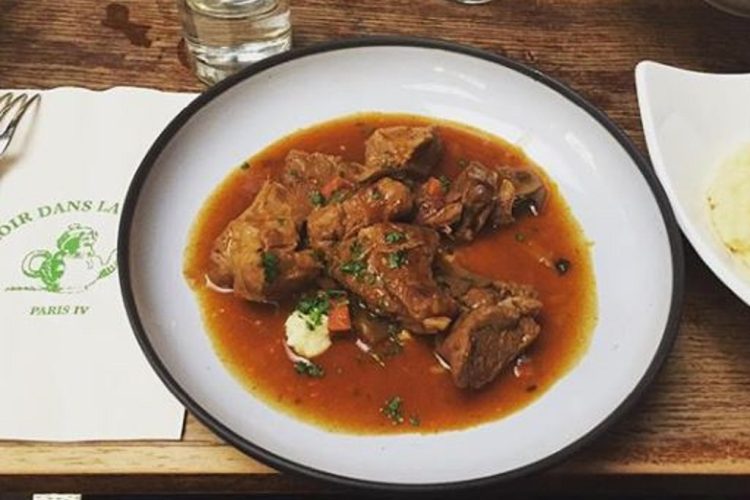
(18, 104)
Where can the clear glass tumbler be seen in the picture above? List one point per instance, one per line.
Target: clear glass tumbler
(224, 36)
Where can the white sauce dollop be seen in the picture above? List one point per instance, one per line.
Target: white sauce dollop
(304, 340)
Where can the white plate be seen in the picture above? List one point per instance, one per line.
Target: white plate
(637, 253)
(692, 122)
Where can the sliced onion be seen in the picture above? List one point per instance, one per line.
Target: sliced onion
(546, 262)
(362, 346)
(442, 361)
(368, 350)
(216, 288)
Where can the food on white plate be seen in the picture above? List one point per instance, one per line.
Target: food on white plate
(391, 273)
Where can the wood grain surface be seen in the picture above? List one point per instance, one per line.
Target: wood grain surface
(695, 419)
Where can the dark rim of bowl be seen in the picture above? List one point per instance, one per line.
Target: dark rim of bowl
(284, 464)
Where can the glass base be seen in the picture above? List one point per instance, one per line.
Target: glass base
(213, 64)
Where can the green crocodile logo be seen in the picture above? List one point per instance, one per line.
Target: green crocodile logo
(73, 267)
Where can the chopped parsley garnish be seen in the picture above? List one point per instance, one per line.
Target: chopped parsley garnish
(445, 183)
(414, 421)
(392, 410)
(354, 267)
(375, 194)
(317, 199)
(370, 278)
(314, 307)
(270, 264)
(394, 346)
(356, 250)
(394, 237)
(245, 165)
(397, 259)
(520, 237)
(309, 369)
(562, 266)
(335, 294)
(462, 162)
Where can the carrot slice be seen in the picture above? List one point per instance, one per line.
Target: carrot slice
(339, 319)
(334, 185)
(433, 188)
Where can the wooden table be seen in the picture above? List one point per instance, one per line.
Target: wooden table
(690, 433)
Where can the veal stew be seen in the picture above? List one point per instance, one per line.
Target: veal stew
(388, 273)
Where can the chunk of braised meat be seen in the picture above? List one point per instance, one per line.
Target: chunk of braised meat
(506, 199)
(386, 200)
(257, 254)
(465, 208)
(401, 152)
(479, 196)
(314, 170)
(314, 178)
(472, 290)
(389, 266)
(497, 323)
(432, 206)
(530, 192)
(486, 339)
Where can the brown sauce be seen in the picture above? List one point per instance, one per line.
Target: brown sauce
(249, 337)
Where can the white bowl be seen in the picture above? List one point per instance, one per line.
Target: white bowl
(692, 122)
(637, 252)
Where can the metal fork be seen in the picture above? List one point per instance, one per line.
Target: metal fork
(18, 104)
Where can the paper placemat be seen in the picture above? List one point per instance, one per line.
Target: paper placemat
(70, 367)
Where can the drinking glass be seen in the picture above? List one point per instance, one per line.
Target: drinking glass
(224, 36)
